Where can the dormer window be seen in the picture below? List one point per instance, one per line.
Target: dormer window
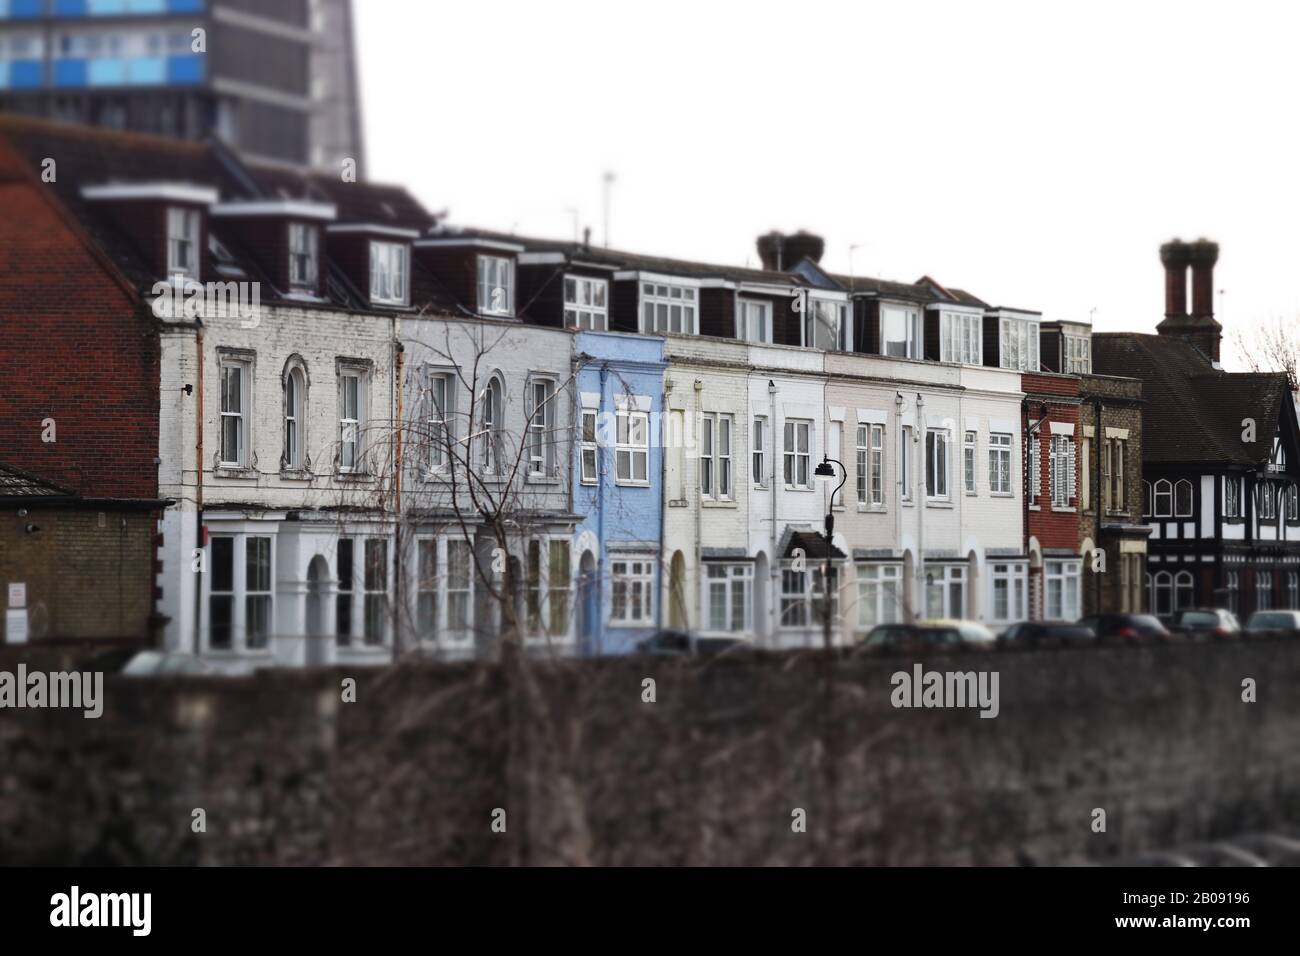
(304, 257)
(961, 337)
(183, 242)
(826, 325)
(496, 285)
(586, 303)
(1018, 339)
(668, 308)
(1078, 354)
(900, 331)
(389, 274)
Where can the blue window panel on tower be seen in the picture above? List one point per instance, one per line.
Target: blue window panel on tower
(4, 75)
(70, 8)
(69, 72)
(26, 74)
(107, 72)
(106, 8)
(146, 6)
(22, 9)
(187, 68)
(185, 6)
(146, 71)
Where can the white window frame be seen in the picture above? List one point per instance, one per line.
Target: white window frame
(1191, 498)
(1000, 445)
(876, 582)
(457, 586)
(589, 453)
(1035, 470)
(717, 472)
(751, 312)
(912, 335)
(657, 301)
(1168, 494)
(1077, 351)
(390, 273)
(1018, 344)
(1061, 472)
(376, 598)
(758, 451)
(945, 577)
(961, 337)
(905, 442)
(586, 303)
(496, 274)
(1014, 579)
(1060, 578)
(627, 423)
(295, 418)
(793, 457)
(184, 238)
(352, 427)
(727, 582)
(243, 415)
(632, 577)
(801, 609)
(548, 596)
(241, 594)
(540, 426)
(440, 418)
(969, 452)
(816, 316)
(861, 462)
(1232, 496)
(492, 427)
(304, 257)
(1116, 452)
(938, 468)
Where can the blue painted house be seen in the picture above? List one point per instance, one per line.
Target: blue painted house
(618, 486)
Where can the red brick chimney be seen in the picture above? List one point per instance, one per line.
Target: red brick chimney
(1198, 328)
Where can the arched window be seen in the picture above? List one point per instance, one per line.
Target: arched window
(1184, 593)
(1146, 499)
(1164, 499)
(492, 426)
(1183, 499)
(1164, 594)
(294, 454)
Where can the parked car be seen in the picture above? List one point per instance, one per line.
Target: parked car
(1127, 628)
(1273, 624)
(1046, 634)
(679, 643)
(1206, 624)
(925, 637)
(133, 662)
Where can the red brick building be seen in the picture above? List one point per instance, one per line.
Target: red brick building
(1051, 427)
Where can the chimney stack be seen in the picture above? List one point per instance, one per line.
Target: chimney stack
(1199, 328)
(1204, 255)
(1176, 256)
(781, 253)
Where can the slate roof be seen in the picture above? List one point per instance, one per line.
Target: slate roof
(1193, 412)
(812, 544)
(19, 484)
(94, 156)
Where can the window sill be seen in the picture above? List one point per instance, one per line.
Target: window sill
(631, 625)
(1001, 494)
(717, 503)
(1064, 511)
(1035, 508)
(355, 477)
(541, 480)
(972, 494)
(239, 473)
(632, 484)
(943, 504)
(799, 488)
(295, 474)
(873, 509)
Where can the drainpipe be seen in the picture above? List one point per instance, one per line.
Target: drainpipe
(774, 562)
(1032, 430)
(198, 491)
(699, 512)
(601, 492)
(397, 405)
(1098, 439)
(919, 456)
(663, 490)
(898, 482)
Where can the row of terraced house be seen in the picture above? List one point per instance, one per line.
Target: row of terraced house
(269, 416)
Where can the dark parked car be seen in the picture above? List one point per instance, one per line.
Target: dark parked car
(1045, 634)
(1127, 628)
(676, 643)
(1273, 624)
(1206, 624)
(910, 639)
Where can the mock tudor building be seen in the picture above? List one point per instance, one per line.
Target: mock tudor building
(1220, 456)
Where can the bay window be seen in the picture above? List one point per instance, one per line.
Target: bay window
(1078, 354)
(241, 596)
(945, 591)
(826, 325)
(1061, 586)
(632, 602)
(880, 595)
(728, 597)
(1010, 587)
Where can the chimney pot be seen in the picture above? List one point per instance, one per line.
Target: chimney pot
(1175, 256)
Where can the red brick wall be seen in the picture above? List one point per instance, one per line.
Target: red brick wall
(75, 347)
(1053, 529)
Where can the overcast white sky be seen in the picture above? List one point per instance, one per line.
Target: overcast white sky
(1036, 154)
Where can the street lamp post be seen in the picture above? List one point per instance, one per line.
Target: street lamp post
(824, 472)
